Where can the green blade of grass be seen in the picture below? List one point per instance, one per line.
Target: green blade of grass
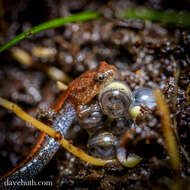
(167, 16)
(80, 17)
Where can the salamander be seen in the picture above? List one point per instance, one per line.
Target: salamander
(68, 106)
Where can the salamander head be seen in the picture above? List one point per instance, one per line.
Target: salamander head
(86, 86)
(105, 73)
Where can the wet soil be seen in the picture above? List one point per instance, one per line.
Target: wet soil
(146, 54)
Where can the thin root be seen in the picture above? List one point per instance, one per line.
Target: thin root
(52, 133)
(61, 86)
(169, 137)
(187, 92)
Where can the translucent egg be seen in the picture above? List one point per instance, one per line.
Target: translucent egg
(92, 122)
(144, 96)
(115, 100)
(102, 145)
(130, 160)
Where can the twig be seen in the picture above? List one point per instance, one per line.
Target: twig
(169, 137)
(52, 133)
(187, 92)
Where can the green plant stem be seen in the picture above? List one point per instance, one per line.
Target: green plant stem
(81, 17)
(167, 16)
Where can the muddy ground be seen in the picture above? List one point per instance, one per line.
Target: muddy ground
(146, 54)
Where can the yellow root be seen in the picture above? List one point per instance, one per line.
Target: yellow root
(61, 86)
(169, 137)
(187, 94)
(52, 133)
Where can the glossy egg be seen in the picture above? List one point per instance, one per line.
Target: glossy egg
(92, 122)
(116, 99)
(144, 96)
(102, 145)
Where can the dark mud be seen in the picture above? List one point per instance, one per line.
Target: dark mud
(145, 53)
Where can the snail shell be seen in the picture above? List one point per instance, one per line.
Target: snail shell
(116, 99)
(102, 145)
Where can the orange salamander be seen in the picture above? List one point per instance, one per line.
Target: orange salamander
(79, 92)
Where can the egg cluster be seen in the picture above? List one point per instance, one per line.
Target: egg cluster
(118, 103)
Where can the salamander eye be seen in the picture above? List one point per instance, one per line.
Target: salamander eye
(100, 77)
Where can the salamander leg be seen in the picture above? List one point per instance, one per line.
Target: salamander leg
(84, 110)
